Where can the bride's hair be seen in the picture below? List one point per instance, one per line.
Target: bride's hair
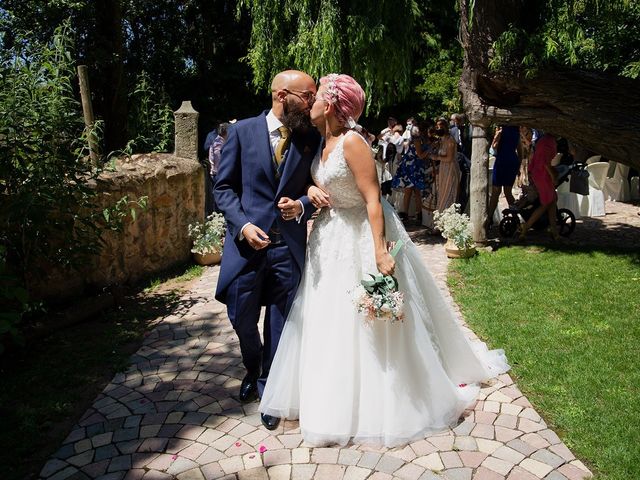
(346, 95)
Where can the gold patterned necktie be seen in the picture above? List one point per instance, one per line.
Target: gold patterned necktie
(283, 143)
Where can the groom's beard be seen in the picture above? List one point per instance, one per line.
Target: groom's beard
(295, 119)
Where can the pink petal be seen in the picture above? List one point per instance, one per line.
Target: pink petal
(262, 449)
(238, 444)
(462, 385)
(174, 457)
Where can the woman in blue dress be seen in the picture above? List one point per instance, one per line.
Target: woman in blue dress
(410, 176)
(506, 143)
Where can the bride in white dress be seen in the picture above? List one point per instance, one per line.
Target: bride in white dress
(344, 378)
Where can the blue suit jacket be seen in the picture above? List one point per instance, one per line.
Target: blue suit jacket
(246, 190)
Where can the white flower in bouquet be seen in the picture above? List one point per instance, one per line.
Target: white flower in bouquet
(454, 226)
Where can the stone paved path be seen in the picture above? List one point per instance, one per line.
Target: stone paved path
(174, 413)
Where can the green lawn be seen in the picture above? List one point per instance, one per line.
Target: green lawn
(570, 324)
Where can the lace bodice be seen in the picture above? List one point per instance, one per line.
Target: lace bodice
(335, 177)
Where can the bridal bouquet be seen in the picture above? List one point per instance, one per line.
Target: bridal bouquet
(379, 298)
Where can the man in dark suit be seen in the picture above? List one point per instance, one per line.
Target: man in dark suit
(261, 188)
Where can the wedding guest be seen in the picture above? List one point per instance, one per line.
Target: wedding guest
(448, 178)
(505, 143)
(543, 176)
(410, 177)
(215, 150)
(385, 135)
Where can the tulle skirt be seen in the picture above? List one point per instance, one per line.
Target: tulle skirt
(377, 383)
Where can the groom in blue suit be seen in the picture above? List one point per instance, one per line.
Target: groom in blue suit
(261, 188)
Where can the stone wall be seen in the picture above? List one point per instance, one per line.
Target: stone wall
(157, 240)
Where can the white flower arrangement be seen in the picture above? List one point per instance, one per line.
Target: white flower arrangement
(208, 237)
(454, 226)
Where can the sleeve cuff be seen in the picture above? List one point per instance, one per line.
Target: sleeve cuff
(240, 235)
(299, 217)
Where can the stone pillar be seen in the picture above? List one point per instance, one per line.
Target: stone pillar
(186, 131)
(479, 194)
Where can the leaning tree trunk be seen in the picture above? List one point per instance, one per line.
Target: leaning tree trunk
(594, 109)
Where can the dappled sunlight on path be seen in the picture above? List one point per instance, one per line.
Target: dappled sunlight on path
(174, 414)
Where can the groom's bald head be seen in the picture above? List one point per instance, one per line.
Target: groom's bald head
(292, 80)
(292, 95)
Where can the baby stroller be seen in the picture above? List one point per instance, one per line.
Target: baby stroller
(529, 202)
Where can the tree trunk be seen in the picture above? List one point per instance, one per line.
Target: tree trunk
(593, 109)
(479, 194)
(110, 57)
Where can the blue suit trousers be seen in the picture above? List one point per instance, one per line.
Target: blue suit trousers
(271, 279)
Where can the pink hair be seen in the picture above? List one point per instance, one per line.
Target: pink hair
(346, 95)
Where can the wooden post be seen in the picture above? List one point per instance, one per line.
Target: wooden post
(87, 110)
(479, 194)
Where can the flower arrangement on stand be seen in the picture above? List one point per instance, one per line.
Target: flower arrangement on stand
(208, 239)
(456, 228)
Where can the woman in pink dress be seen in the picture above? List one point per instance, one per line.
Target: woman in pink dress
(543, 176)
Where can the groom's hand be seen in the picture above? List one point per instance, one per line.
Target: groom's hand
(255, 236)
(289, 209)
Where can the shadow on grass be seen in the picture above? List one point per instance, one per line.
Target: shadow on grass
(596, 234)
(46, 386)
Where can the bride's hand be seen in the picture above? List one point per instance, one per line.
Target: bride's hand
(318, 197)
(385, 262)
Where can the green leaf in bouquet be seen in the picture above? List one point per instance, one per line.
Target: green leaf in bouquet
(390, 283)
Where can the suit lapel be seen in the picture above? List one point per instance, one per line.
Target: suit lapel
(263, 144)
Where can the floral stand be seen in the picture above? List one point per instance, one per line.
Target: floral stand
(454, 252)
(212, 258)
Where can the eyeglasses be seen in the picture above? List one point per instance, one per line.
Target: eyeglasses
(305, 96)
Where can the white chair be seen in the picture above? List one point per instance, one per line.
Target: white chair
(634, 187)
(568, 199)
(616, 185)
(592, 205)
(594, 159)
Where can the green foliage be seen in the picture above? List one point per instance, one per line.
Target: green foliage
(439, 74)
(150, 119)
(574, 353)
(45, 214)
(588, 34)
(372, 41)
(48, 214)
(116, 214)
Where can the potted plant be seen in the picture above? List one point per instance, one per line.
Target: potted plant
(208, 239)
(456, 228)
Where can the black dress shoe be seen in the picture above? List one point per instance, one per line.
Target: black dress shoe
(269, 422)
(248, 389)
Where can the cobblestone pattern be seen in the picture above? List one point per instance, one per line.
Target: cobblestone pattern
(174, 415)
